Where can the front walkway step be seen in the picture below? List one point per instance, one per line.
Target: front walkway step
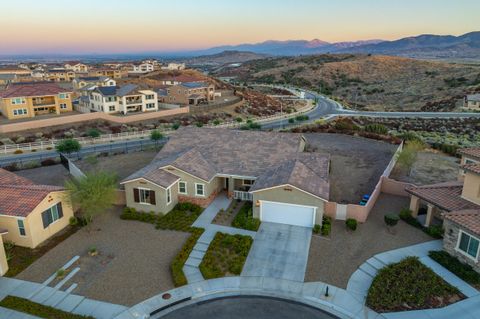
(201, 247)
(375, 263)
(192, 274)
(192, 261)
(197, 253)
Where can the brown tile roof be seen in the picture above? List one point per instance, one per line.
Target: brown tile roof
(32, 89)
(180, 78)
(447, 196)
(205, 152)
(472, 151)
(472, 167)
(161, 177)
(19, 196)
(469, 219)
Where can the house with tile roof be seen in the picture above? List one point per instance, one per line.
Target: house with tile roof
(83, 81)
(270, 169)
(31, 213)
(76, 66)
(189, 93)
(456, 206)
(122, 99)
(30, 99)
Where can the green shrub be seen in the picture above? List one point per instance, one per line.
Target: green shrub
(407, 285)
(178, 262)
(199, 124)
(18, 152)
(36, 309)
(93, 133)
(291, 120)
(391, 219)
(175, 126)
(156, 135)
(216, 122)
(326, 225)
(73, 221)
(244, 218)
(132, 214)
(435, 231)
(239, 119)
(317, 228)
(351, 223)
(68, 146)
(302, 118)
(464, 271)
(376, 128)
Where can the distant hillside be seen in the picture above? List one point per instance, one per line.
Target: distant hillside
(369, 82)
(226, 57)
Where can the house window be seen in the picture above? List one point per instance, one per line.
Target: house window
(63, 106)
(468, 245)
(182, 187)
(21, 227)
(111, 108)
(248, 182)
(63, 95)
(150, 105)
(20, 112)
(200, 189)
(144, 196)
(52, 214)
(169, 196)
(18, 100)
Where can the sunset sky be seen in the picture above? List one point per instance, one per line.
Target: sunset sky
(124, 26)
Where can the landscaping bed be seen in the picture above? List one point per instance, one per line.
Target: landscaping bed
(464, 271)
(225, 256)
(409, 285)
(19, 258)
(176, 267)
(245, 220)
(36, 309)
(226, 217)
(436, 231)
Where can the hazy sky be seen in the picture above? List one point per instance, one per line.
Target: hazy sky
(113, 26)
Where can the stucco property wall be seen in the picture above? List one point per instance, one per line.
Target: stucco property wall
(290, 196)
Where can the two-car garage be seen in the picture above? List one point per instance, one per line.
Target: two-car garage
(291, 214)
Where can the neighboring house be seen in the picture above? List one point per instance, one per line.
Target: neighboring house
(59, 75)
(472, 102)
(81, 82)
(469, 156)
(456, 204)
(189, 93)
(285, 184)
(178, 79)
(124, 99)
(31, 213)
(76, 66)
(14, 70)
(7, 78)
(3, 255)
(111, 73)
(142, 68)
(174, 66)
(23, 100)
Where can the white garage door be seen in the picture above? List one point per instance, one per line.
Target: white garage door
(282, 213)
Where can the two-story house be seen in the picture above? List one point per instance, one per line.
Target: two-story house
(59, 75)
(81, 82)
(456, 206)
(125, 99)
(142, 68)
(76, 66)
(189, 93)
(22, 100)
(174, 66)
(472, 102)
(111, 73)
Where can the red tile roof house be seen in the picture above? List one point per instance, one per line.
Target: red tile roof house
(29, 212)
(457, 205)
(285, 184)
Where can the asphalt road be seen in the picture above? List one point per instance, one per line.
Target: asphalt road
(248, 307)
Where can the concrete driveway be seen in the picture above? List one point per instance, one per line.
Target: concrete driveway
(279, 251)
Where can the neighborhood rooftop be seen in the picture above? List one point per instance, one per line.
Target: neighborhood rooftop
(469, 219)
(471, 151)
(32, 89)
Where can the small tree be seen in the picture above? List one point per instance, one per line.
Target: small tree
(92, 194)
(407, 157)
(156, 135)
(68, 146)
(93, 133)
(391, 220)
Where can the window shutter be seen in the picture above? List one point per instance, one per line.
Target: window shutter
(136, 195)
(60, 210)
(152, 198)
(45, 219)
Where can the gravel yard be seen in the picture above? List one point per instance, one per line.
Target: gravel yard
(133, 263)
(431, 167)
(49, 175)
(123, 164)
(335, 259)
(356, 163)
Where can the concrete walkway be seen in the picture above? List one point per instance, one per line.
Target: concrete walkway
(54, 297)
(361, 280)
(279, 251)
(190, 269)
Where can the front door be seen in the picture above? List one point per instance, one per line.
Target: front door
(226, 183)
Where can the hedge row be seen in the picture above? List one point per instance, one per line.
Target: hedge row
(178, 262)
(35, 309)
(464, 271)
(244, 218)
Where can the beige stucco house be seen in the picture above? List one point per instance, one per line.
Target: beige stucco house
(188, 93)
(285, 184)
(455, 205)
(31, 213)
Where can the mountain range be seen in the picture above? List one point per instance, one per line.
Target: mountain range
(465, 46)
